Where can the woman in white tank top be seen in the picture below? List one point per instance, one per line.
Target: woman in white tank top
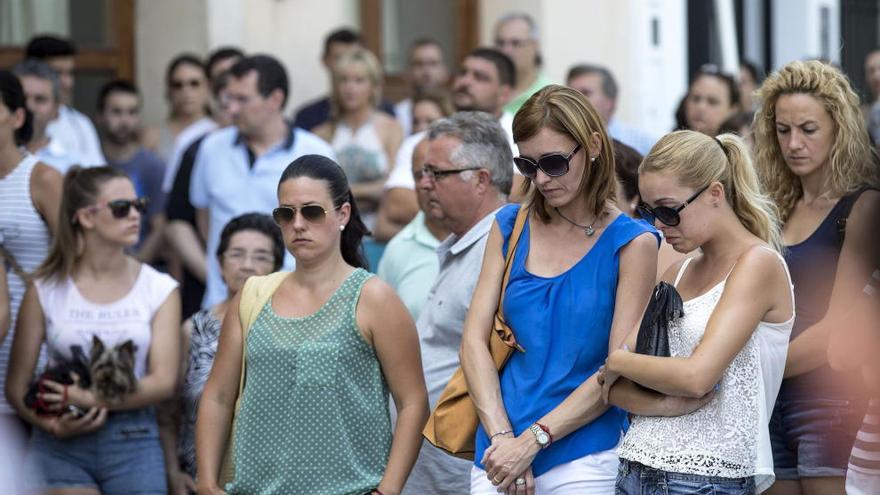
(728, 349)
(364, 139)
(29, 198)
(88, 287)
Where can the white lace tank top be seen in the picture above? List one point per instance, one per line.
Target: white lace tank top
(728, 437)
(360, 152)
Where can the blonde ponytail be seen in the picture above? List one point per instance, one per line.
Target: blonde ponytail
(754, 208)
(698, 160)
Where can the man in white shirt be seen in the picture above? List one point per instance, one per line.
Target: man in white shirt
(483, 83)
(237, 168)
(72, 130)
(598, 85)
(42, 90)
(426, 71)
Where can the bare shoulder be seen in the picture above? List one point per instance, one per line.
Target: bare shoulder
(45, 176)
(866, 206)
(376, 293)
(759, 265)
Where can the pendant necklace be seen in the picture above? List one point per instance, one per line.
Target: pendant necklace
(588, 229)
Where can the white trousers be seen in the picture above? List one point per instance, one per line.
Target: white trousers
(591, 474)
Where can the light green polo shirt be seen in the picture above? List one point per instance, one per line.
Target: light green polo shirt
(410, 264)
(514, 105)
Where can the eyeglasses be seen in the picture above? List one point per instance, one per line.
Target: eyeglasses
(121, 207)
(239, 257)
(311, 213)
(434, 173)
(667, 215)
(192, 83)
(552, 164)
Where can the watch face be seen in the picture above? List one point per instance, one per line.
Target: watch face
(543, 438)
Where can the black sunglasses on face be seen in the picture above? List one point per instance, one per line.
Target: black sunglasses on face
(120, 208)
(311, 213)
(667, 215)
(552, 164)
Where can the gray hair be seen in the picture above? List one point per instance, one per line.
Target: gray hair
(609, 85)
(519, 15)
(41, 70)
(484, 144)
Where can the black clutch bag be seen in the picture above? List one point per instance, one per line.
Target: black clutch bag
(664, 307)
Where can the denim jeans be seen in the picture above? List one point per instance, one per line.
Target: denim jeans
(123, 457)
(637, 479)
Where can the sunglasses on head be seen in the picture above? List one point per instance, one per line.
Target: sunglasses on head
(552, 164)
(120, 208)
(667, 215)
(311, 213)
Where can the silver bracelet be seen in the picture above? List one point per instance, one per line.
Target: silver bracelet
(505, 432)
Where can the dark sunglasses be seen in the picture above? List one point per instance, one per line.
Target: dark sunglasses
(311, 213)
(192, 83)
(120, 208)
(667, 215)
(552, 164)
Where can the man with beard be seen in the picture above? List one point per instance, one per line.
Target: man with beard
(119, 120)
(484, 83)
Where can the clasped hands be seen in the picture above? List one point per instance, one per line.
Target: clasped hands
(510, 458)
(58, 397)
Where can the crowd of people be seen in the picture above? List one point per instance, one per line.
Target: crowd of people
(243, 301)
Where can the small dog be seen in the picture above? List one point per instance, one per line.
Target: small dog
(108, 372)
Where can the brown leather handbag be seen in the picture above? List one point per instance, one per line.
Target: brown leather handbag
(453, 422)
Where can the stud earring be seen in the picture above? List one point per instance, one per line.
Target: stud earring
(593, 160)
(342, 227)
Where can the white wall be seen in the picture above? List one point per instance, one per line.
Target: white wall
(797, 30)
(163, 29)
(618, 36)
(291, 30)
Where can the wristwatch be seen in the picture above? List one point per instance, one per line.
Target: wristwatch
(541, 435)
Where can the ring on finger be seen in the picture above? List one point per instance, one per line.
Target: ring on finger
(520, 481)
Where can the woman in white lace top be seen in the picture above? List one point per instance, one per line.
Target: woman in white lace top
(729, 347)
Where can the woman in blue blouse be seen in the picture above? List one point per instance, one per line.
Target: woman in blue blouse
(580, 279)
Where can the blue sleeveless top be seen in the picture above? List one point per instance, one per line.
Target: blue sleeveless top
(813, 266)
(564, 324)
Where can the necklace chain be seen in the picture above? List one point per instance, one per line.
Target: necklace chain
(588, 229)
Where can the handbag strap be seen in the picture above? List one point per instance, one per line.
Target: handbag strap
(512, 243)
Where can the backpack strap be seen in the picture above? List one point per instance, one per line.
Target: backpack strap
(254, 295)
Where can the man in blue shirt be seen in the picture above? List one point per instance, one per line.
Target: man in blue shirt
(119, 118)
(237, 168)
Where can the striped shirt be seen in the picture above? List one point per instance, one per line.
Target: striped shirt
(865, 457)
(25, 236)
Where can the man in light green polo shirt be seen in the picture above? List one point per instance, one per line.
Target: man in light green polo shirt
(516, 34)
(409, 263)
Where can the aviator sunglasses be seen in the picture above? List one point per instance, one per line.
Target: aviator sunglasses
(667, 215)
(311, 213)
(120, 208)
(552, 164)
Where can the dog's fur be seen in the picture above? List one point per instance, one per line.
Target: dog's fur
(109, 373)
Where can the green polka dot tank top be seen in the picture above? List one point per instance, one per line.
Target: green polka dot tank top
(314, 416)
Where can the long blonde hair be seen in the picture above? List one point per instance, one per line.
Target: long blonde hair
(851, 162)
(698, 160)
(363, 58)
(568, 112)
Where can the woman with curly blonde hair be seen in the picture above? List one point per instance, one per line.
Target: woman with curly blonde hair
(816, 162)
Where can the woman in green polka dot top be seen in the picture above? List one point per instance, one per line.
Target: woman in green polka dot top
(321, 357)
